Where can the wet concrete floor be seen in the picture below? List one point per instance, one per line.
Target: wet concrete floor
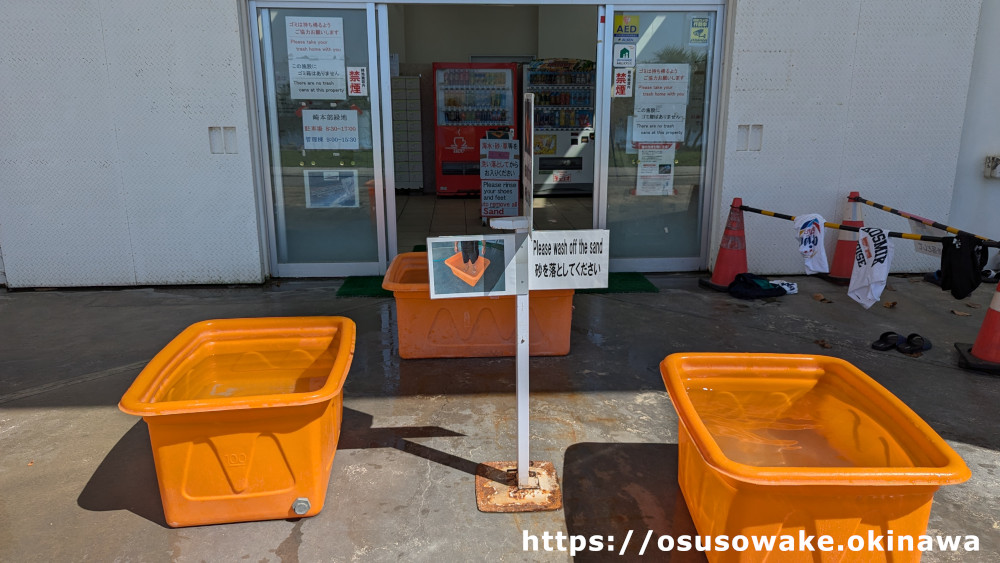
(77, 480)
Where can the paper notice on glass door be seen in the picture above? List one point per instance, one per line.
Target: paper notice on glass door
(622, 87)
(330, 130)
(656, 172)
(316, 67)
(656, 131)
(659, 123)
(357, 81)
(662, 83)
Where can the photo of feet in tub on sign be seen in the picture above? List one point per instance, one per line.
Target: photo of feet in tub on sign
(473, 262)
(470, 266)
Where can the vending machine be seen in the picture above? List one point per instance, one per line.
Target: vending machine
(564, 124)
(473, 101)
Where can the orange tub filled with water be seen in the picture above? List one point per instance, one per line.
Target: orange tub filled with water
(244, 416)
(471, 327)
(783, 445)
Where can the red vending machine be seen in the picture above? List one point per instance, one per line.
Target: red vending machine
(473, 101)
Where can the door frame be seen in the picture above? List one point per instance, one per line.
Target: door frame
(683, 264)
(262, 65)
(382, 139)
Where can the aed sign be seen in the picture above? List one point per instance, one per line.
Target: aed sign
(626, 28)
(624, 55)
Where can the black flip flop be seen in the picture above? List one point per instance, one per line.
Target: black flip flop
(888, 341)
(914, 343)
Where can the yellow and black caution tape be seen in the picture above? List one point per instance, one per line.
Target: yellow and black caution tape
(928, 222)
(829, 225)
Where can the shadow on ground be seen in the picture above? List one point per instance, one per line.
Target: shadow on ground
(612, 489)
(126, 479)
(357, 433)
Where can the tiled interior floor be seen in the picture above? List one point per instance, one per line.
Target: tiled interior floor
(420, 215)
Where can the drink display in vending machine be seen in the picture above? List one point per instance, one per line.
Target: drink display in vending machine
(473, 101)
(564, 124)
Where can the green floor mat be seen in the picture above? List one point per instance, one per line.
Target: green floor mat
(625, 282)
(363, 286)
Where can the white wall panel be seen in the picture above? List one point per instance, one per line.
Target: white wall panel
(865, 95)
(975, 205)
(106, 177)
(177, 70)
(62, 209)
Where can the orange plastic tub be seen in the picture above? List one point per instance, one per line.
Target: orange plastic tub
(773, 445)
(471, 327)
(244, 416)
(456, 264)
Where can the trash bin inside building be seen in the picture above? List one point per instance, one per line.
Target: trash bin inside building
(471, 327)
(773, 445)
(244, 416)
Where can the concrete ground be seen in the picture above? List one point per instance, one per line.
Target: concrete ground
(77, 480)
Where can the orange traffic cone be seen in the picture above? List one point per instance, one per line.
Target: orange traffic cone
(984, 355)
(847, 244)
(732, 257)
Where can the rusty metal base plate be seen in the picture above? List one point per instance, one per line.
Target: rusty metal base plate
(497, 491)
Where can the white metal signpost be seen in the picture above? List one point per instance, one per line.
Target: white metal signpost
(544, 260)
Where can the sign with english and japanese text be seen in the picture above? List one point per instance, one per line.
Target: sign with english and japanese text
(662, 83)
(316, 63)
(498, 198)
(568, 259)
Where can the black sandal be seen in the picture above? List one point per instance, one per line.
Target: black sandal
(888, 341)
(914, 343)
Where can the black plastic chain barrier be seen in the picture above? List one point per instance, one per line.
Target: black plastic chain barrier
(829, 225)
(920, 219)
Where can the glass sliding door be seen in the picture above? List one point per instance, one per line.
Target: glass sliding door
(661, 83)
(319, 125)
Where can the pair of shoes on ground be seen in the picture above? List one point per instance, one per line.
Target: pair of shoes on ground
(908, 345)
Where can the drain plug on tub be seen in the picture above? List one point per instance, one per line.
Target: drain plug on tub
(300, 506)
